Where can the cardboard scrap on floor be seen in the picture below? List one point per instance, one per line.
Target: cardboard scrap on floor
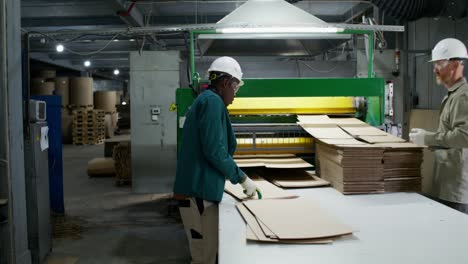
(269, 191)
(291, 219)
(101, 167)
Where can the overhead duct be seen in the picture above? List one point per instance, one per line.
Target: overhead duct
(412, 10)
(268, 14)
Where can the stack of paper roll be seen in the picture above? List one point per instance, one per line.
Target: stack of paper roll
(62, 88)
(42, 88)
(48, 74)
(81, 91)
(105, 100)
(35, 84)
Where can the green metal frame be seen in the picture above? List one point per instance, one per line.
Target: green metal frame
(371, 88)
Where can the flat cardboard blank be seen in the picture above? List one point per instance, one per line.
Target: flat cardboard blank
(273, 163)
(268, 190)
(296, 219)
(254, 231)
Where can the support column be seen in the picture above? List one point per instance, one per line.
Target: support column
(14, 240)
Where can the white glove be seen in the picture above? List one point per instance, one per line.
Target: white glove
(417, 136)
(250, 188)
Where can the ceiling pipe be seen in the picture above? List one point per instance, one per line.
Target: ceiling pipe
(405, 10)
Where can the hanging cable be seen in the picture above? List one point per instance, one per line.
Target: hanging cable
(318, 71)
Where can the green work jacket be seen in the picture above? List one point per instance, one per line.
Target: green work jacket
(208, 143)
(451, 144)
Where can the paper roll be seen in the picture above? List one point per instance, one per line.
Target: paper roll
(48, 74)
(105, 100)
(81, 91)
(62, 88)
(45, 88)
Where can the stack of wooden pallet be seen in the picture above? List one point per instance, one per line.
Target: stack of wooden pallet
(88, 127)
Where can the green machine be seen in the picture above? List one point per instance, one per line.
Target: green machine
(272, 128)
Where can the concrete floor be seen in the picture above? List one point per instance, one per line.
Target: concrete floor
(117, 226)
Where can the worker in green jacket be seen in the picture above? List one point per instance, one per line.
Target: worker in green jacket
(205, 160)
(450, 141)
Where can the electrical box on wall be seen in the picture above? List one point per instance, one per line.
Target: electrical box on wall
(155, 112)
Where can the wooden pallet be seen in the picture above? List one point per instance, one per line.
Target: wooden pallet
(88, 142)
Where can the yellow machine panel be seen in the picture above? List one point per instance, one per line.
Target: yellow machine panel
(292, 105)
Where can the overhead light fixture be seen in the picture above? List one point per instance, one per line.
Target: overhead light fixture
(87, 63)
(131, 40)
(116, 40)
(116, 72)
(59, 48)
(279, 30)
(124, 103)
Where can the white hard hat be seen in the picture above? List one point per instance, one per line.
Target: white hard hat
(449, 48)
(227, 65)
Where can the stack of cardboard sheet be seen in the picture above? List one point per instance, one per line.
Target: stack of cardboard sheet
(402, 167)
(292, 178)
(286, 171)
(358, 158)
(282, 163)
(294, 221)
(352, 169)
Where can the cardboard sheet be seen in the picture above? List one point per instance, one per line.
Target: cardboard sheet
(264, 156)
(363, 130)
(292, 178)
(349, 121)
(314, 119)
(305, 219)
(269, 191)
(382, 139)
(332, 132)
(273, 163)
(255, 233)
(343, 142)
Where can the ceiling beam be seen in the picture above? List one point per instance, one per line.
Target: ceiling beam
(62, 22)
(74, 9)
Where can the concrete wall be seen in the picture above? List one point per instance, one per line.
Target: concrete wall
(423, 35)
(154, 78)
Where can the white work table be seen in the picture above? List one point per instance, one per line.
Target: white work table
(394, 228)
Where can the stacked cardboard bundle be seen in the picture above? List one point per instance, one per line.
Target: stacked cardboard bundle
(123, 164)
(358, 158)
(293, 221)
(402, 167)
(283, 170)
(352, 169)
(292, 178)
